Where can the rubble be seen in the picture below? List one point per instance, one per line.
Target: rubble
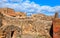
(42, 17)
(38, 24)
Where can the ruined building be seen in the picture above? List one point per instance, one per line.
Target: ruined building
(19, 25)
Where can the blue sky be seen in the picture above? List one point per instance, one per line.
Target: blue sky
(47, 2)
(48, 7)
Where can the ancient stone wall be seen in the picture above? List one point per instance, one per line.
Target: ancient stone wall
(20, 14)
(38, 26)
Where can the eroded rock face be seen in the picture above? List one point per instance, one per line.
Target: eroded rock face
(37, 25)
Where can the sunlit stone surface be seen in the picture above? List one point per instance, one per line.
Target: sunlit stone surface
(18, 25)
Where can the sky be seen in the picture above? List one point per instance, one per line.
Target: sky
(48, 7)
(47, 2)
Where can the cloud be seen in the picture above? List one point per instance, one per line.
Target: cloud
(28, 6)
(11, 1)
(57, 8)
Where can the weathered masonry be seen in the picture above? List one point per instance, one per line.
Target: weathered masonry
(17, 24)
(56, 27)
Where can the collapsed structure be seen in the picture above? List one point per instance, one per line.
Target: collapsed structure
(18, 24)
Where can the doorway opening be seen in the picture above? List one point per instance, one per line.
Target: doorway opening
(12, 33)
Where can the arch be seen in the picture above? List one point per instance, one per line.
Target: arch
(11, 31)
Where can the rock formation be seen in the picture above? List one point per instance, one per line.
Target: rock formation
(16, 24)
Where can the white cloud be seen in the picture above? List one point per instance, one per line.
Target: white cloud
(11, 0)
(57, 8)
(27, 6)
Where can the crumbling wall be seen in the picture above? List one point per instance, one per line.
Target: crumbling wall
(42, 17)
(10, 31)
(20, 15)
(37, 25)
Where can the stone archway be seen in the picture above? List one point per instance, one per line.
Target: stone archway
(11, 31)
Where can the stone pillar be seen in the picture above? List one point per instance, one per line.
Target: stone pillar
(56, 15)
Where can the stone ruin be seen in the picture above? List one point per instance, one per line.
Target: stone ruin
(19, 25)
